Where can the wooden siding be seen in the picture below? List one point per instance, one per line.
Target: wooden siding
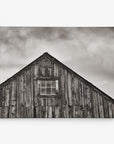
(19, 96)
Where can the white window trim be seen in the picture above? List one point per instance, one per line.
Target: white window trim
(51, 87)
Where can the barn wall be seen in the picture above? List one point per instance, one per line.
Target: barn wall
(81, 99)
(77, 98)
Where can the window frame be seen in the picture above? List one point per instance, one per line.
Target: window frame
(46, 69)
(48, 95)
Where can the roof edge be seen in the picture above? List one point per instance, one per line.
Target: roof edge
(47, 54)
(107, 96)
(17, 73)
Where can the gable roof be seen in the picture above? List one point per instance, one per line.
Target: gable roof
(52, 58)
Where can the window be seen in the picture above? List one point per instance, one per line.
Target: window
(48, 87)
(49, 72)
(45, 72)
(46, 68)
(42, 72)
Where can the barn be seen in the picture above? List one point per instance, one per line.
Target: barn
(46, 88)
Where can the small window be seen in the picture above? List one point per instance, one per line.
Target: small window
(48, 87)
(45, 71)
(49, 72)
(42, 72)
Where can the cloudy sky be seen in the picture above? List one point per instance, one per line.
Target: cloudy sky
(88, 51)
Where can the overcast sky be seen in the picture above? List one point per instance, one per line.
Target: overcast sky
(88, 51)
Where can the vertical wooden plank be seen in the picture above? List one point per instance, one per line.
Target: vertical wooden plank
(49, 111)
(88, 102)
(28, 101)
(14, 99)
(3, 102)
(62, 92)
(36, 91)
(81, 103)
(66, 87)
(69, 89)
(26, 88)
(54, 101)
(95, 104)
(85, 105)
(76, 111)
(89, 99)
(37, 112)
(76, 99)
(21, 79)
(113, 110)
(86, 112)
(62, 86)
(43, 111)
(32, 93)
(106, 109)
(55, 70)
(57, 112)
(6, 112)
(73, 111)
(0, 102)
(6, 96)
(66, 112)
(75, 92)
(100, 102)
(46, 108)
(0, 112)
(110, 110)
(36, 70)
(49, 102)
(80, 93)
(18, 95)
(21, 96)
(4, 107)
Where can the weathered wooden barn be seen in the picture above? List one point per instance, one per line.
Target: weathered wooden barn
(46, 88)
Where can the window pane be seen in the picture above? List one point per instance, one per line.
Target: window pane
(53, 84)
(48, 90)
(54, 91)
(48, 84)
(42, 91)
(49, 72)
(42, 83)
(42, 71)
(48, 87)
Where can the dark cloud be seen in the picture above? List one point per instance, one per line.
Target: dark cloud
(51, 34)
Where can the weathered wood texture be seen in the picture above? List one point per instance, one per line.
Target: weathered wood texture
(19, 96)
